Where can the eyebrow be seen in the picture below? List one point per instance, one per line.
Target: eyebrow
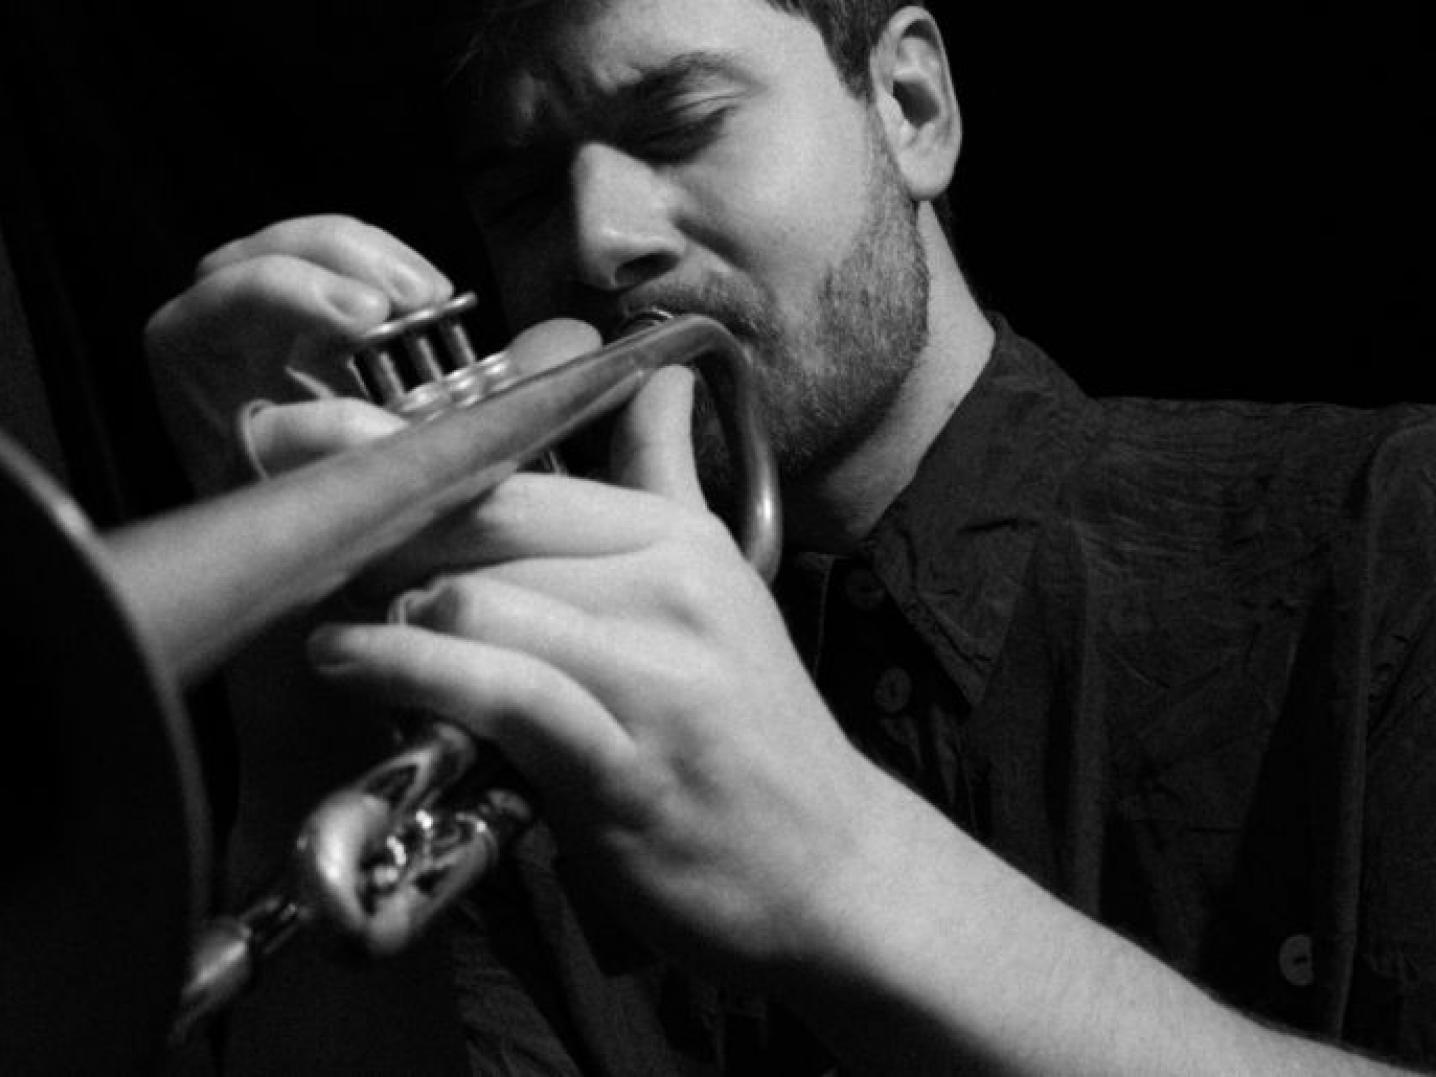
(643, 97)
(681, 73)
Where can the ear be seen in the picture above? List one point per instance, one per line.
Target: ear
(913, 94)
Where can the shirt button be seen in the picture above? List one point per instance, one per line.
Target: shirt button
(863, 590)
(1295, 959)
(893, 690)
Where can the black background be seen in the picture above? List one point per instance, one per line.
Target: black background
(1224, 200)
(1230, 199)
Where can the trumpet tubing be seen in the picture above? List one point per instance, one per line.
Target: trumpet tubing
(204, 579)
(378, 860)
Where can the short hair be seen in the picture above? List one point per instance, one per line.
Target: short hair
(851, 29)
(485, 33)
(477, 38)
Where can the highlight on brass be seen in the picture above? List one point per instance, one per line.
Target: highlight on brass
(421, 363)
(175, 596)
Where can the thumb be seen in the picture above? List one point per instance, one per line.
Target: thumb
(549, 344)
(652, 447)
(281, 437)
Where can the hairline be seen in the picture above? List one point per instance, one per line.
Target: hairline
(841, 40)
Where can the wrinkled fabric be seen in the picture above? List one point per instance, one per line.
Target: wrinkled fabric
(1174, 660)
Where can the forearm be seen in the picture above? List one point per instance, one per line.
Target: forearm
(637, 673)
(930, 955)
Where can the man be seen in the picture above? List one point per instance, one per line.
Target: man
(1110, 680)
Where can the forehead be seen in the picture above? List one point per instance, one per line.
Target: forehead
(593, 55)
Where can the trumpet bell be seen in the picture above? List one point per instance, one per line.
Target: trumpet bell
(107, 952)
(107, 860)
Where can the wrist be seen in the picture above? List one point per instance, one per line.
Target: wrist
(870, 897)
(884, 927)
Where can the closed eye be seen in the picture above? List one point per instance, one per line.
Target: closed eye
(677, 138)
(520, 189)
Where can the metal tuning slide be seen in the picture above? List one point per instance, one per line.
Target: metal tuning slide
(380, 859)
(423, 364)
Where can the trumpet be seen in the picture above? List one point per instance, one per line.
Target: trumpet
(176, 595)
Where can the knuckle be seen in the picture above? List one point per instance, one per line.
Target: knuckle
(353, 422)
(691, 595)
(688, 589)
(637, 797)
(702, 574)
(269, 274)
(235, 288)
(299, 232)
(516, 501)
(350, 235)
(707, 532)
(700, 538)
(292, 235)
(453, 605)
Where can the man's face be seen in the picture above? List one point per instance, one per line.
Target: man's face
(704, 156)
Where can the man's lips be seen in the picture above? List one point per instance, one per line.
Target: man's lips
(642, 318)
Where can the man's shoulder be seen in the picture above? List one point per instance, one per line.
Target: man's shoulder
(1188, 488)
(1253, 444)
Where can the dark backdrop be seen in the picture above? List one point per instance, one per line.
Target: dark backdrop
(1231, 200)
(1227, 200)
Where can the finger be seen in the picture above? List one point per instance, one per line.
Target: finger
(652, 447)
(544, 722)
(256, 310)
(612, 657)
(629, 585)
(449, 543)
(348, 248)
(546, 516)
(550, 344)
(548, 592)
(283, 437)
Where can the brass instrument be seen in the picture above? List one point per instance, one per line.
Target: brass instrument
(173, 597)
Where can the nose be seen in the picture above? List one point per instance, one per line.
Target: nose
(624, 230)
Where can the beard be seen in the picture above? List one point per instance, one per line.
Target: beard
(828, 377)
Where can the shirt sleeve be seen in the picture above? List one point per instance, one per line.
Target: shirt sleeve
(1392, 1008)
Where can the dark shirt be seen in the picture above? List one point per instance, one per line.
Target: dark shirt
(1172, 660)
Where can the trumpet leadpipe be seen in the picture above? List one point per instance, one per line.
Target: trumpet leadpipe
(380, 858)
(204, 579)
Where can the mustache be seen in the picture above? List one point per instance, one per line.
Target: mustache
(748, 316)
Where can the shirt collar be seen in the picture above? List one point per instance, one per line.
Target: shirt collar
(953, 549)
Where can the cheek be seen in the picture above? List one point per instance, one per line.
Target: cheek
(784, 207)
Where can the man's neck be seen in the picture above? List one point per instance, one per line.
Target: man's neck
(836, 511)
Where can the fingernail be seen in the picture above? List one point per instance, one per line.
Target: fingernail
(410, 607)
(401, 607)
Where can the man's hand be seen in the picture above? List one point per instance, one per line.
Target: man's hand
(268, 317)
(618, 648)
(614, 643)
